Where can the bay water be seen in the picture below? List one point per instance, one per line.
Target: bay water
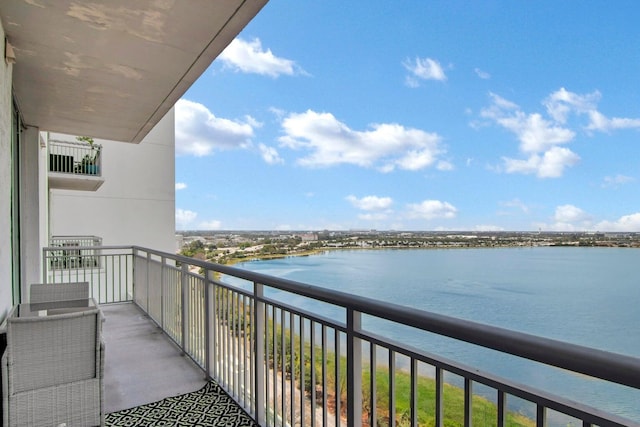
(586, 296)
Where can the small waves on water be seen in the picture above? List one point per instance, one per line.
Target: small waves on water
(586, 296)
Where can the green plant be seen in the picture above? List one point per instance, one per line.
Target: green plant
(90, 159)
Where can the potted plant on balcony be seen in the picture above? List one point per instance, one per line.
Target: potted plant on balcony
(89, 163)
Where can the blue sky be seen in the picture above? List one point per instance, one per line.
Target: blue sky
(438, 115)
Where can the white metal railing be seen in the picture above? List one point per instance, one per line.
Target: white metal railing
(290, 366)
(108, 269)
(80, 158)
(74, 252)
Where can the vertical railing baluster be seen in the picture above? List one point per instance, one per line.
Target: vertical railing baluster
(249, 372)
(336, 351)
(208, 322)
(439, 397)
(312, 330)
(234, 341)
(354, 369)
(392, 388)
(292, 368)
(246, 381)
(113, 279)
(227, 338)
(468, 402)
(163, 279)
(373, 384)
(258, 328)
(283, 354)
(302, 372)
(541, 416)
(501, 404)
(413, 398)
(184, 309)
(274, 361)
(147, 282)
(325, 414)
(126, 269)
(45, 264)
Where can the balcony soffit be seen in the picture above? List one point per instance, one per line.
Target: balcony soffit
(112, 69)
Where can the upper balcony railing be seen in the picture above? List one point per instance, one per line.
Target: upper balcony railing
(74, 165)
(74, 252)
(81, 158)
(289, 365)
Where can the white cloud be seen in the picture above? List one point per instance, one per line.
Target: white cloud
(569, 218)
(199, 132)
(539, 139)
(443, 165)
(249, 57)
(562, 103)
(628, 223)
(423, 69)
(210, 225)
(616, 181)
(601, 123)
(370, 203)
(431, 209)
(550, 165)
(385, 146)
(180, 186)
(184, 218)
(570, 213)
(270, 154)
(534, 132)
(482, 74)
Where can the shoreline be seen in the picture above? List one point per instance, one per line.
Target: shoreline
(266, 257)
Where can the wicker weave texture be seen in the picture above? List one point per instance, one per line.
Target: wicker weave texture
(58, 291)
(74, 404)
(52, 370)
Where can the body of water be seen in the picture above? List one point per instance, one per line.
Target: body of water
(586, 296)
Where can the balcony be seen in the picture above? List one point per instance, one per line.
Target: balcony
(74, 165)
(287, 365)
(74, 252)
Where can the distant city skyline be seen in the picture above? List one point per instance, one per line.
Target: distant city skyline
(475, 116)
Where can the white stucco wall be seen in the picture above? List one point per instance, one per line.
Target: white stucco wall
(5, 183)
(30, 173)
(136, 203)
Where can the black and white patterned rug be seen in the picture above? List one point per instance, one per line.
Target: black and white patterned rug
(210, 406)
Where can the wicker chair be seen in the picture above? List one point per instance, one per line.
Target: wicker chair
(52, 370)
(58, 292)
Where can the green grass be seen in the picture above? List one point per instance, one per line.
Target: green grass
(484, 412)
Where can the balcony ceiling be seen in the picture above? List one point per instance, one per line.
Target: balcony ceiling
(113, 68)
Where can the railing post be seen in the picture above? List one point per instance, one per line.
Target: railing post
(259, 331)
(354, 369)
(208, 322)
(134, 256)
(184, 283)
(147, 284)
(44, 266)
(163, 263)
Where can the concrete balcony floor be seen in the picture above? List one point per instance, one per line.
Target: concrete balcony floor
(142, 365)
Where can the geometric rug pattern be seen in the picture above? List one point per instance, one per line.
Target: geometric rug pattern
(210, 406)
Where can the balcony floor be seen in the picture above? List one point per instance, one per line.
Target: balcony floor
(142, 365)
